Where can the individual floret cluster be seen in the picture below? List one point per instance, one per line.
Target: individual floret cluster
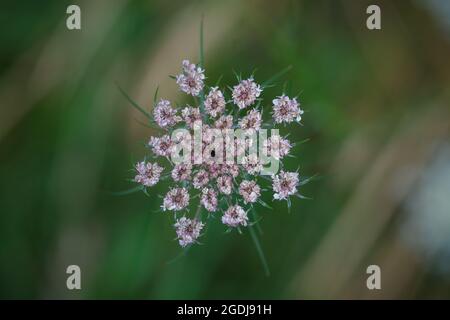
(223, 187)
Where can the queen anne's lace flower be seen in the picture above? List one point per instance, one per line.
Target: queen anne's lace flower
(191, 79)
(161, 146)
(176, 199)
(188, 230)
(182, 138)
(165, 116)
(190, 115)
(148, 174)
(224, 122)
(215, 102)
(201, 178)
(277, 146)
(225, 184)
(245, 93)
(207, 135)
(231, 169)
(235, 216)
(284, 184)
(251, 164)
(286, 110)
(213, 170)
(209, 199)
(182, 171)
(245, 143)
(251, 121)
(217, 171)
(250, 191)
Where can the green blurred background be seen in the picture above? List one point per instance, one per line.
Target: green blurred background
(377, 120)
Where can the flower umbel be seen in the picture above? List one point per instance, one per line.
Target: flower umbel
(249, 191)
(188, 230)
(190, 115)
(209, 199)
(277, 146)
(215, 102)
(206, 176)
(182, 171)
(245, 93)
(285, 184)
(251, 121)
(191, 79)
(161, 146)
(148, 173)
(176, 199)
(165, 115)
(286, 110)
(235, 216)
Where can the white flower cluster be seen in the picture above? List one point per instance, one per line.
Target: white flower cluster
(220, 186)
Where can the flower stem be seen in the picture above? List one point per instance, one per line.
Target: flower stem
(199, 210)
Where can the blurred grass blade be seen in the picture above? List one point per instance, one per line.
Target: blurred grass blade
(264, 204)
(129, 191)
(307, 180)
(301, 141)
(183, 252)
(134, 104)
(155, 97)
(202, 53)
(218, 80)
(259, 249)
(275, 77)
(150, 125)
(202, 65)
(256, 222)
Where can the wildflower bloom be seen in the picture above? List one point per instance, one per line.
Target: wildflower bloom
(148, 174)
(182, 138)
(213, 170)
(224, 122)
(286, 110)
(209, 199)
(182, 171)
(251, 121)
(165, 116)
(161, 146)
(231, 169)
(201, 178)
(251, 164)
(215, 102)
(188, 230)
(225, 184)
(207, 134)
(215, 164)
(241, 145)
(245, 93)
(284, 184)
(235, 216)
(277, 146)
(190, 115)
(249, 191)
(191, 79)
(176, 199)
(284, 147)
